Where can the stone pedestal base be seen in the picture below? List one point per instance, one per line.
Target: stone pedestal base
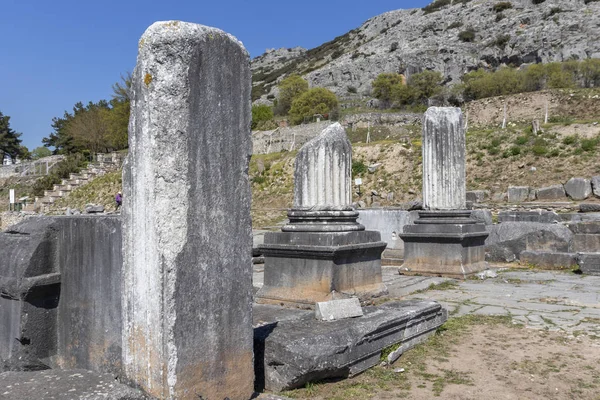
(302, 268)
(444, 243)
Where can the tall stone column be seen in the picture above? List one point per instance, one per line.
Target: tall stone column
(323, 175)
(323, 185)
(445, 240)
(187, 279)
(444, 184)
(322, 252)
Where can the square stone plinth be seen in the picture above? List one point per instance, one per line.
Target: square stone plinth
(450, 250)
(302, 268)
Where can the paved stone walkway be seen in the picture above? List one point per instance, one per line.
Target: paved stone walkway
(553, 300)
(557, 301)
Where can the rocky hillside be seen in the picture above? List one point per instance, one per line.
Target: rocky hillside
(450, 36)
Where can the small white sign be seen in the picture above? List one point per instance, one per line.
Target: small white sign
(358, 181)
(11, 195)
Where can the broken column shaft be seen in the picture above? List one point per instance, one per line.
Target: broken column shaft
(187, 279)
(445, 240)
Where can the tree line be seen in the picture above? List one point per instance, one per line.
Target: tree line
(393, 90)
(96, 127)
(296, 102)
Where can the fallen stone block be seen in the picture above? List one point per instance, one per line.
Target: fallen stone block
(477, 196)
(506, 241)
(545, 259)
(578, 188)
(484, 216)
(518, 194)
(541, 216)
(338, 309)
(554, 192)
(579, 217)
(586, 243)
(595, 181)
(94, 208)
(499, 197)
(29, 279)
(589, 263)
(301, 350)
(589, 207)
(586, 227)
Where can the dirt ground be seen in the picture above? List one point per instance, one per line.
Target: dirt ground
(582, 104)
(483, 361)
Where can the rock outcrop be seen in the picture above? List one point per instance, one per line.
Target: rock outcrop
(413, 40)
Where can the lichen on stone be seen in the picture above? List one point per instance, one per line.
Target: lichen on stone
(147, 79)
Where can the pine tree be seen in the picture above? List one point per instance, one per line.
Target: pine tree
(10, 144)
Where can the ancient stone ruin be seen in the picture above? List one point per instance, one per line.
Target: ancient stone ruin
(187, 286)
(167, 305)
(322, 252)
(161, 296)
(445, 240)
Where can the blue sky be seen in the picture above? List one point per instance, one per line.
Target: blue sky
(56, 53)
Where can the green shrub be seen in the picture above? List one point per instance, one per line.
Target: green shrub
(259, 179)
(358, 168)
(554, 11)
(454, 25)
(515, 150)
(290, 89)
(467, 35)
(260, 114)
(539, 150)
(493, 151)
(521, 140)
(383, 84)
(496, 142)
(266, 125)
(436, 5)
(589, 144)
(554, 153)
(503, 5)
(502, 40)
(500, 17)
(315, 101)
(569, 140)
(337, 54)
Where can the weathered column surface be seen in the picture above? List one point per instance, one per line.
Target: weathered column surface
(187, 279)
(322, 252)
(323, 174)
(323, 184)
(445, 240)
(444, 184)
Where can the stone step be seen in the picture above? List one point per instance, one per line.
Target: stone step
(548, 259)
(589, 263)
(52, 193)
(585, 243)
(83, 175)
(392, 261)
(77, 182)
(49, 199)
(585, 227)
(62, 188)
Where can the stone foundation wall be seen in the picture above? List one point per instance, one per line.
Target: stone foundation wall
(61, 277)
